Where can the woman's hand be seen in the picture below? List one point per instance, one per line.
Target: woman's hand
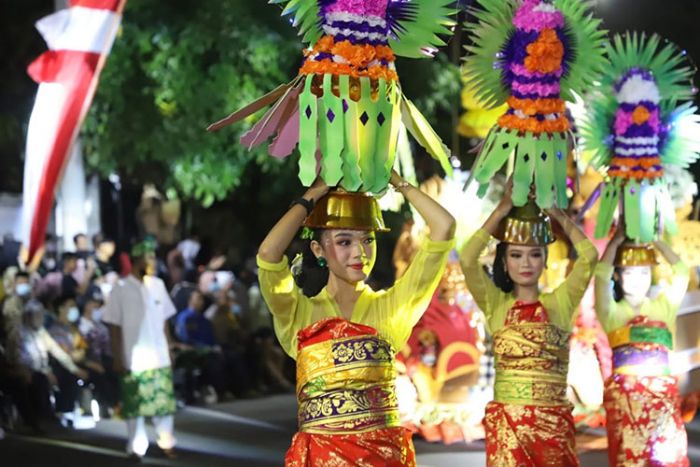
(317, 190)
(502, 209)
(440, 222)
(557, 214)
(620, 235)
(506, 204)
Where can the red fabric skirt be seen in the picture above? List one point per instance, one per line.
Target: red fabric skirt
(391, 447)
(644, 422)
(529, 436)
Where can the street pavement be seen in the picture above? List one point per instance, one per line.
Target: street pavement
(254, 432)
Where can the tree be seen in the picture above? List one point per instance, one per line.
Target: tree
(175, 68)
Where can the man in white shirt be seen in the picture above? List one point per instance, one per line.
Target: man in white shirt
(137, 312)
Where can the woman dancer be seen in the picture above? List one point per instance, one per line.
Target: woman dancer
(345, 335)
(641, 398)
(529, 422)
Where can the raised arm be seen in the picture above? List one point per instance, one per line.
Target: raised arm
(667, 252)
(681, 275)
(280, 237)
(614, 243)
(481, 287)
(571, 230)
(440, 222)
(569, 294)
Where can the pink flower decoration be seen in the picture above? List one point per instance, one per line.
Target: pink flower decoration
(360, 7)
(623, 120)
(527, 19)
(654, 120)
(541, 89)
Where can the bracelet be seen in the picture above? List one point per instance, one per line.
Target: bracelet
(401, 185)
(307, 203)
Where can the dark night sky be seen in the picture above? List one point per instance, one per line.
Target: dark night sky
(677, 20)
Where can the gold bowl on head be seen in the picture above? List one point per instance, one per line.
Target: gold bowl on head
(526, 225)
(635, 254)
(346, 210)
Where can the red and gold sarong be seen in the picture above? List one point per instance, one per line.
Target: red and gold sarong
(348, 414)
(529, 423)
(641, 400)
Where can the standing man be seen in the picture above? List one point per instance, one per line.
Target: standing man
(137, 312)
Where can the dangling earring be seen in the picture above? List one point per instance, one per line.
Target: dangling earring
(322, 263)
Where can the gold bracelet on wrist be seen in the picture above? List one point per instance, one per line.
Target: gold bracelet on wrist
(401, 185)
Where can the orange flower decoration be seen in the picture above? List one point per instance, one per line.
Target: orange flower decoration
(358, 57)
(640, 115)
(546, 53)
(645, 167)
(537, 106)
(311, 67)
(533, 125)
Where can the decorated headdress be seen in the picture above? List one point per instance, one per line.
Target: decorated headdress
(526, 225)
(635, 254)
(346, 210)
(635, 126)
(532, 55)
(345, 107)
(146, 245)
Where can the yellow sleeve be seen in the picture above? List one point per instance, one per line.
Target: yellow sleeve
(674, 293)
(485, 293)
(679, 285)
(605, 305)
(409, 297)
(282, 297)
(568, 295)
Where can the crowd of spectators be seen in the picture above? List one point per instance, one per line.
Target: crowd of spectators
(56, 362)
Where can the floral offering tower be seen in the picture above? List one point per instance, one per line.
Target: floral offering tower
(532, 55)
(345, 108)
(640, 120)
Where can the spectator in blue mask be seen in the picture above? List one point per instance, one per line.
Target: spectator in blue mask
(98, 359)
(20, 292)
(64, 331)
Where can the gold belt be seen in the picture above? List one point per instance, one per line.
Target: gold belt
(530, 388)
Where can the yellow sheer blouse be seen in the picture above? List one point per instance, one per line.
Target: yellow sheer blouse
(392, 312)
(613, 315)
(560, 304)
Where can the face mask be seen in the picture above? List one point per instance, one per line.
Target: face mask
(23, 290)
(50, 263)
(97, 314)
(213, 287)
(73, 314)
(428, 359)
(236, 309)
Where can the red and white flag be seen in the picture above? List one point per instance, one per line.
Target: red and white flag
(79, 39)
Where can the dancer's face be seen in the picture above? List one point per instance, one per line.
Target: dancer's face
(635, 282)
(524, 264)
(350, 254)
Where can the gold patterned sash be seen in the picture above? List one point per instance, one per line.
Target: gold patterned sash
(532, 360)
(346, 386)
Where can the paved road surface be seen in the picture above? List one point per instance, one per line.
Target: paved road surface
(242, 433)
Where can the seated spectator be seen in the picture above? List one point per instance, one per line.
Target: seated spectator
(192, 327)
(69, 285)
(229, 335)
(64, 328)
(99, 351)
(37, 346)
(82, 245)
(104, 251)
(19, 293)
(181, 291)
(200, 349)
